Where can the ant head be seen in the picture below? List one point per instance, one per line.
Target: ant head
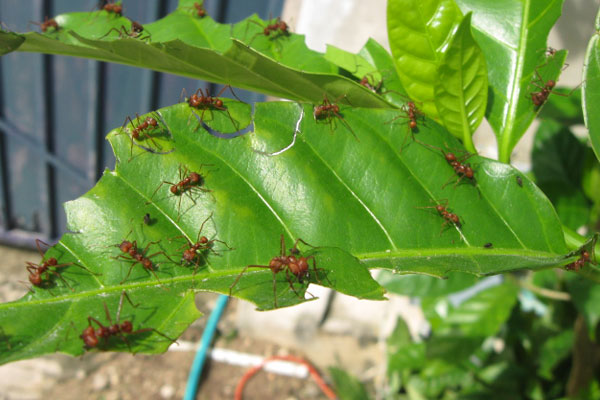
(450, 157)
(203, 240)
(282, 26)
(174, 189)
(147, 263)
(585, 255)
(275, 264)
(195, 177)
(194, 100)
(550, 84)
(152, 121)
(89, 337)
(335, 108)
(440, 208)
(136, 27)
(454, 218)
(412, 124)
(117, 9)
(35, 279)
(125, 246)
(127, 327)
(51, 261)
(469, 172)
(219, 103)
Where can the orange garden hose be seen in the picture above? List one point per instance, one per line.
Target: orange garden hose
(313, 372)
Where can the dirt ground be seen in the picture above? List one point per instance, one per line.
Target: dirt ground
(115, 376)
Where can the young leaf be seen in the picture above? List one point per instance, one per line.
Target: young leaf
(419, 32)
(591, 88)
(461, 86)
(347, 387)
(512, 35)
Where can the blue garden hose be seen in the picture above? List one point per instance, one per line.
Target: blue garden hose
(207, 337)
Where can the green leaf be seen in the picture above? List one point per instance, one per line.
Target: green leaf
(423, 285)
(402, 353)
(558, 161)
(419, 32)
(553, 351)
(346, 386)
(512, 35)
(591, 88)
(201, 48)
(461, 86)
(483, 314)
(330, 189)
(353, 63)
(10, 42)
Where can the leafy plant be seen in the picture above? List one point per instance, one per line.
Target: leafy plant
(372, 180)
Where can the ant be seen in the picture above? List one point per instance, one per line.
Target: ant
(132, 254)
(206, 101)
(584, 257)
(366, 83)
(519, 181)
(194, 250)
(277, 27)
(189, 181)
(488, 245)
(200, 11)
(411, 112)
(327, 111)
(148, 124)
(540, 97)
(112, 7)
(457, 163)
(449, 218)
(291, 264)
(47, 24)
(135, 31)
(91, 337)
(36, 271)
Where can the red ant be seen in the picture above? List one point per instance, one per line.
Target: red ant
(47, 24)
(539, 98)
(411, 112)
(112, 7)
(449, 218)
(132, 254)
(584, 257)
(148, 124)
(194, 250)
(135, 31)
(457, 163)
(327, 111)
(200, 11)
(37, 271)
(206, 101)
(367, 83)
(277, 27)
(91, 337)
(188, 182)
(296, 266)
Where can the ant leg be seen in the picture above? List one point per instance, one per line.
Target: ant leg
(291, 283)
(129, 272)
(238, 278)
(155, 331)
(92, 319)
(37, 244)
(282, 246)
(274, 289)
(62, 279)
(202, 226)
(346, 124)
(567, 94)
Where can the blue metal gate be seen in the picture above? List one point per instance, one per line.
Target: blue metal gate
(55, 112)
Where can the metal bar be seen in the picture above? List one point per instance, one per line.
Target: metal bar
(32, 144)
